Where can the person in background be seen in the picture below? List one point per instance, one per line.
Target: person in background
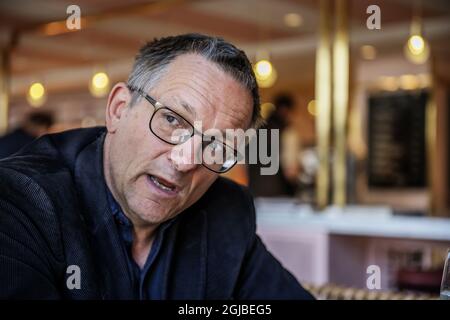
(290, 143)
(285, 181)
(35, 125)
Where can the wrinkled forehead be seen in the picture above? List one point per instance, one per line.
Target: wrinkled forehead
(198, 86)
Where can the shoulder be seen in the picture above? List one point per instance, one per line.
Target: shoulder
(48, 161)
(229, 193)
(32, 174)
(27, 212)
(230, 207)
(37, 185)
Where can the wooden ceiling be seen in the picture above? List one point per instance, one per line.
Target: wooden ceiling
(114, 30)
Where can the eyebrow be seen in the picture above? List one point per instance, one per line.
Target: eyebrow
(188, 108)
(191, 110)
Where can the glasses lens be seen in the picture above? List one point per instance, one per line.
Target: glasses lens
(217, 156)
(170, 126)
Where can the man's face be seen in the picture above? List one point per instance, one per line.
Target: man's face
(150, 184)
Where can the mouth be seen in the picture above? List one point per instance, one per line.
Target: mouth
(163, 184)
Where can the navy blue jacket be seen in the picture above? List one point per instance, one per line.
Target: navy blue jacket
(54, 213)
(14, 141)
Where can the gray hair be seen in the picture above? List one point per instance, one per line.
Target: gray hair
(153, 58)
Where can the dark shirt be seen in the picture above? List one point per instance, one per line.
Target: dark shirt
(147, 282)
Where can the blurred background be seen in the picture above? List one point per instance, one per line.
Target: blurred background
(358, 89)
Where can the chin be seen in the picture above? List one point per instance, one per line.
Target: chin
(152, 212)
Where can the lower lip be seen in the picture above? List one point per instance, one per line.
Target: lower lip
(159, 191)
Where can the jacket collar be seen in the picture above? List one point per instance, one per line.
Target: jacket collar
(107, 248)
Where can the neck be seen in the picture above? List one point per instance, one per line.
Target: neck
(142, 243)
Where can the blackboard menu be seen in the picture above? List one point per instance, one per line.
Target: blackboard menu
(397, 152)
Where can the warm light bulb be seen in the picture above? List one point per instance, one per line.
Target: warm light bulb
(389, 83)
(37, 91)
(99, 84)
(267, 108)
(36, 94)
(312, 108)
(409, 82)
(417, 49)
(293, 20)
(268, 81)
(368, 52)
(100, 80)
(263, 69)
(416, 44)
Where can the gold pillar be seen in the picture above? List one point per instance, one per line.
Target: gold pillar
(340, 101)
(436, 143)
(4, 89)
(431, 135)
(323, 103)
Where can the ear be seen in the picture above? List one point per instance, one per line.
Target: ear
(118, 101)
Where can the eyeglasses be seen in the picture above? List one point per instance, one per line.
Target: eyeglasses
(172, 128)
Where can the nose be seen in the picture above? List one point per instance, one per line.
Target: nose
(186, 156)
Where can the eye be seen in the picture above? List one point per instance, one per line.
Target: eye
(171, 119)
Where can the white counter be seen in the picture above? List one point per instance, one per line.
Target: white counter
(337, 245)
(352, 220)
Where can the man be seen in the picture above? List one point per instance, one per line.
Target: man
(126, 212)
(35, 125)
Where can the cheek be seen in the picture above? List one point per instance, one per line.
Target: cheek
(137, 141)
(125, 148)
(142, 154)
(132, 149)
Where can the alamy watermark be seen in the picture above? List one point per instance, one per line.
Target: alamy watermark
(73, 280)
(373, 22)
(245, 147)
(73, 21)
(373, 281)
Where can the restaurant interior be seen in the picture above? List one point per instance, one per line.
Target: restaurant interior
(358, 89)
